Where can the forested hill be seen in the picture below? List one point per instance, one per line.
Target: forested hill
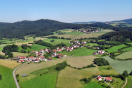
(39, 28)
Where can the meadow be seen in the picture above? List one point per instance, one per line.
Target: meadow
(7, 77)
(91, 44)
(58, 41)
(93, 85)
(129, 82)
(1, 46)
(68, 77)
(19, 54)
(125, 55)
(83, 51)
(120, 66)
(115, 48)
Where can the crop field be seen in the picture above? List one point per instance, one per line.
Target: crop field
(80, 62)
(39, 38)
(9, 63)
(58, 41)
(2, 53)
(79, 52)
(68, 77)
(44, 81)
(7, 77)
(125, 55)
(120, 66)
(115, 48)
(19, 54)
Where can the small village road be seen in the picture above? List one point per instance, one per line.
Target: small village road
(125, 83)
(14, 76)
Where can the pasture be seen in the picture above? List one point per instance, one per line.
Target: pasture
(58, 41)
(115, 48)
(19, 54)
(2, 46)
(68, 77)
(9, 63)
(83, 51)
(44, 81)
(7, 77)
(127, 49)
(93, 85)
(80, 62)
(125, 55)
(120, 66)
(92, 44)
(129, 82)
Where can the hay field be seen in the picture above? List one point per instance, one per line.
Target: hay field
(9, 63)
(2, 53)
(125, 55)
(80, 62)
(39, 38)
(69, 77)
(120, 66)
(19, 54)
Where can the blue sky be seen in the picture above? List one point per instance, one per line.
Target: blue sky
(65, 10)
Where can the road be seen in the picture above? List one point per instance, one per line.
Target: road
(14, 76)
(125, 83)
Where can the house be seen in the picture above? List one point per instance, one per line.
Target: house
(50, 59)
(21, 60)
(24, 75)
(108, 79)
(59, 50)
(42, 50)
(99, 77)
(30, 58)
(41, 57)
(54, 54)
(60, 56)
(100, 51)
(95, 53)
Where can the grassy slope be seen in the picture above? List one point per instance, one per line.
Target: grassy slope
(7, 78)
(74, 33)
(129, 82)
(19, 54)
(120, 66)
(79, 52)
(125, 55)
(58, 41)
(44, 81)
(115, 48)
(93, 85)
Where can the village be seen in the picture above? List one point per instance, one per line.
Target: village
(40, 54)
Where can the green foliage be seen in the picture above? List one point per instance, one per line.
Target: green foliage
(24, 46)
(125, 73)
(40, 42)
(61, 66)
(86, 80)
(2, 56)
(10, 48)
(52, 41)
(101, 61)
(0, 77)
(130, 73)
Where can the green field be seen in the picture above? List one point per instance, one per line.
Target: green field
(125, 55)
(44, 81)
(19, 54)
(34, 47)
(7, 78)
(129, 82)
(93, 85)
(79, 52)
(2, 46)
(115, 48)
(120, 66)
(58, 41)
(92, 44)
(127, 49)
(74, 33)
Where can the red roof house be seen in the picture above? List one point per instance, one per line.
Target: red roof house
(108, 79)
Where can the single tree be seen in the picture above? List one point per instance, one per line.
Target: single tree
(125, 73)
(0, 77)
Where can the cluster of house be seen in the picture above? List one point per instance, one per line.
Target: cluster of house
(104, 78)
(99, 52)
(88, 30)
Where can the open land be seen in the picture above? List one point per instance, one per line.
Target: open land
(125, 55)
(120, 66)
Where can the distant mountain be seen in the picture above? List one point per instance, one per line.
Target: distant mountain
(128, 21)
(85, 22)
(41, 27)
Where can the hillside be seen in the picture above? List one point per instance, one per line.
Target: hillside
(41, 27)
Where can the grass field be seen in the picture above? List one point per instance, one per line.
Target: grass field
(94, 34)
(115, 48)
(68, 77)
(9, 63)
(79, 52)
(93, 85)
(7, 77)
(80, 62)
(2, 46)
(74, 33)
(44, 81)
(58, 41)
(92, 44)
(125, 55)
(120, 66)
(2, 53)
(127, 49)
(19, 54)
(129, 82)
(34, 47)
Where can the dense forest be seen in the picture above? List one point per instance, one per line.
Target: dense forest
(39, 28)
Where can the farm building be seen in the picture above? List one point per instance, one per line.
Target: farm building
(108, 79)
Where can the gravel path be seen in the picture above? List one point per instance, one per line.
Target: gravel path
(125, 83)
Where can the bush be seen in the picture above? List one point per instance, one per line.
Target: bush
(125, 73)
(61, 66)
(101, 61)
(17, 75)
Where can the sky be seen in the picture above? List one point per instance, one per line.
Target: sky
(65, 10)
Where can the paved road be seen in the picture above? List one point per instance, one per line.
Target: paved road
(17, 85)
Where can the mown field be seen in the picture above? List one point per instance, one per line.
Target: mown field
(129, 82)
(120, 66)
(19, 54)
(9, 63)
(125, 55)
(58, 41)
(79, 52)
(91, 44)
(93, 85)
(7, 78)
(115, 48)
(68, 77)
